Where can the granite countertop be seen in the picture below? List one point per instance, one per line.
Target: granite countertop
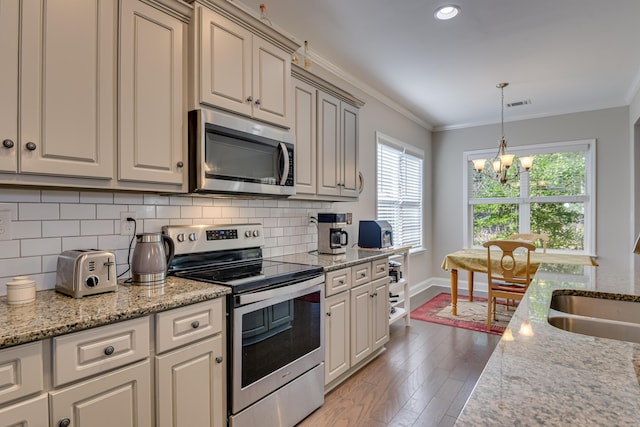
(353, 256)
(555, 377)
(55, 314)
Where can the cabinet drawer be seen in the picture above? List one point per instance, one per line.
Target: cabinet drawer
(94, 351)
(361, 274)
(337, 281)
(21, 371)
(185, 325)
(380, 268)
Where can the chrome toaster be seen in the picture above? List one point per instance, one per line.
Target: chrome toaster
(84, 272)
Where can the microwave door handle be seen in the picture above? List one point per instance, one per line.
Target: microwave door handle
(285, 170)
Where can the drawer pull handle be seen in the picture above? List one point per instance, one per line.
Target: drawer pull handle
(65, 422)
(219, 359)
(341, 282)
(195, 324)
(109, 350)
(362, 275)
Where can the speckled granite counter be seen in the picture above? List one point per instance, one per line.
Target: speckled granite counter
(54, 314)
(559, 378)
(336, 262)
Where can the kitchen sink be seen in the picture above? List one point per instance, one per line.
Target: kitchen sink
(596, 316)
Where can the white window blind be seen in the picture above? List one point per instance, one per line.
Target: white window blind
(399, 185)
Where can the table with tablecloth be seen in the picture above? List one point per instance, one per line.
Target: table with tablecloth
(475, 260)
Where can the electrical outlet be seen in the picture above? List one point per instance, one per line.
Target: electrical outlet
(127, 227)
(5, 224)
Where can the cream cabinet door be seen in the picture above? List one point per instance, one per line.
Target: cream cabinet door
(225, 63)
(68, 87)
(190, 387)
(9, 34)
(28, 413)
(271, 86)
(349, 139)
(380, 312)
(120, 398)
(152, 106)
(304, 127)
(329, 158)
(361, 307)
(337, 336)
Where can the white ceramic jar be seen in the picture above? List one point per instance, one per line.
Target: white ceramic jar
(21, 290)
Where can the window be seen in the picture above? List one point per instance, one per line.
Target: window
(556, 197)
(399, 189)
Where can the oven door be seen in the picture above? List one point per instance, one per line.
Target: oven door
(278, 335)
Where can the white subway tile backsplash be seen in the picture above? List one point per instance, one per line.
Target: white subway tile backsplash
(38, 211)
(56, 196)
(9, 248)
(97, 227)
(47, 222)
(77, 211)
(60, 228)
(44, 246)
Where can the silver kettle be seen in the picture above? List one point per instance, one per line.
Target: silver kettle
(150, 259)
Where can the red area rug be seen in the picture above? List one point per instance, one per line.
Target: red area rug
(471, 315)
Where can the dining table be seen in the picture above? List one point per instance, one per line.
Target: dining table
(475, 261)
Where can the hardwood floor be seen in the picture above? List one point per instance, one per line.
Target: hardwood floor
(423, 379)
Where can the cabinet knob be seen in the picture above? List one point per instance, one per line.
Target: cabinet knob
(219, 359)
(65, 422)
(30, 146)
(7, 143)
(250, 98)
(341, 282)
(180, 164)
(371, 295)
(195, 324)
(257, 102)
(109, 350)
(329, 313)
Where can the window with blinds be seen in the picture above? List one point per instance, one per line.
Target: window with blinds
(399, 190)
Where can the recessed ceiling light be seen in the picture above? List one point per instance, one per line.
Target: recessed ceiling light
(447, 12)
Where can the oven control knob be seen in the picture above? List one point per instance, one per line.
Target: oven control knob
(180, 237)
(193, 237)
(256, 233)
(247, 233)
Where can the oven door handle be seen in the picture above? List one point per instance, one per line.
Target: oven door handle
(285, 290)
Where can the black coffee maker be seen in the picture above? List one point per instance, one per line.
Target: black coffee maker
(332, 237)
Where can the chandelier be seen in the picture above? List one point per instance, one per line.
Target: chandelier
(502, 161)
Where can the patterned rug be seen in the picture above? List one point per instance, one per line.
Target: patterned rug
(471, 315)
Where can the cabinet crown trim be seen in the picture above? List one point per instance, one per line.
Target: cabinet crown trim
(324, 85)
(251, 23)
(176, 8)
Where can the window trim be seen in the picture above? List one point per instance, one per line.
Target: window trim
(381, 138)
(586, 145)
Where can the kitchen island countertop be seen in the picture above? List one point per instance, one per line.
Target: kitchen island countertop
(55, 314)
(555, 377)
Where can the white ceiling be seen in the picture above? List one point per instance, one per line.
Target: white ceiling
(563, 55)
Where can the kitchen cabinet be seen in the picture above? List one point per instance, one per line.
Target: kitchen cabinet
(241, 64)
(152, 93)
(327, 138)
(30, 412)
(67, 87)
(118, 398)
(190, 366)
(9, 52)
(357, 317)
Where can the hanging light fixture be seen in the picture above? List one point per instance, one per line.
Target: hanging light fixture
(502, 161)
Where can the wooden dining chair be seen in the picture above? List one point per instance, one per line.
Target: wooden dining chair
(509, 277)
(532, 238)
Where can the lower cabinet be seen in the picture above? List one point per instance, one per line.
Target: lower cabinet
(30, 413)
(119, 398)
(357, 318)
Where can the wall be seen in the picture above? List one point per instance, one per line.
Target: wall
(611, 129)
(634, 126)
(47, 222)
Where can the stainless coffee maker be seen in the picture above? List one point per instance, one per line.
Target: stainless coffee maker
(332, 237)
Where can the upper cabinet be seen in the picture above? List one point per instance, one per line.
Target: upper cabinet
(152, 140)
(325, 122)
(67, 88)
(240, 64)
(9, 53)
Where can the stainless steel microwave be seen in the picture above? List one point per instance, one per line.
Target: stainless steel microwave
(236, 156)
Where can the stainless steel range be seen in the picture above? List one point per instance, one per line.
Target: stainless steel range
(275, 333)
